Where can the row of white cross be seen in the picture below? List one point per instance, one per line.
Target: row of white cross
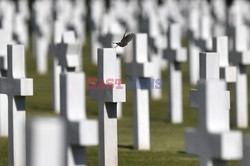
(212, 141)
(50, 19)
(207, 141)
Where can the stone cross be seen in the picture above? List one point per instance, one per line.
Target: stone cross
(60, 36)
(220, 45)
(59, 29)
(205, 40)
(16, 86)
(105, 40)
(193, 35)
(141, 70)
(240, 57)
(20, 31)
(6, 39)
(157, 43)
(108, 93)
(175, 54)
(46, 142)
(219, 9)
(58, 52)
(7, 16)
(202, 43)
(97, 11)
(69, 52)
(156, 92)
(212, 141)
(42, 32)
(78, 21)
(81, 132)
(114, 33)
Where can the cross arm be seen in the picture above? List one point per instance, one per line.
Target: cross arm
(212, 92)
(68, 55)
(26, 87)
(239, 57)
(114, 95)
(179, 55)
(84, 133)
(16, 87)
(145, 70)
(226, 145)
(202, 44)
(228, 73)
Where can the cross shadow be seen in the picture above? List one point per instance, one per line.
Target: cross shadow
(182, 152)
(126, 146)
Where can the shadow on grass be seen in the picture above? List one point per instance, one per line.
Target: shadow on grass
(186, 154)
(181, 152)
(126, 147)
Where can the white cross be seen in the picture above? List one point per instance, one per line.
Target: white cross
(42, 32)
(219, 14)
(212, 141)
(202, 43)
(175, 54)
(220, 45)
(81, 131)
(140, 69)
(58, 33)
(77, 15)
(240, 57)
(107, 105)
(3, 48)
(193, 34)
(7, 16)
(105, 41)
(20, 29)
(16, 86)
(69, 52)
(6, 39)
(97, 11)
(156, 92)
(157, 42)
(59, 52)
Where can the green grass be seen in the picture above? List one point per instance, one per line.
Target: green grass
(167, 140)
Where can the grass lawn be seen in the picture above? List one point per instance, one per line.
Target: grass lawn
(167, 140)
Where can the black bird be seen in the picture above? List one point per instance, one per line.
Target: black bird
(125, 39)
